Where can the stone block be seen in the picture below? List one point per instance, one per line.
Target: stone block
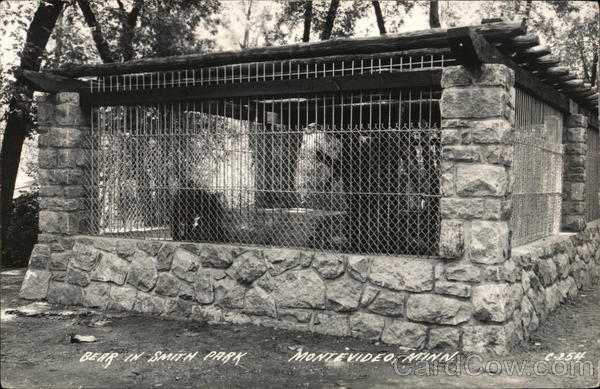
(481, 180)
(69, 114)
(437, 309)
(62, 204)
(96, 295)
(229, 294)
(577, 120)
(142, 272)
(148, 303)
(366, 325)
(485, 339)
(167, 285)
(388, 303)
(486, 75)
(473, 208)
(492, 302)
(577, 134)
(563, 267)
(62, 137)
(298, 289)
(164, 258)
(458, 289)
(489, 241)
(185, 264)
(217, 257)
(35, 284)
(343, 294)
(210, 314)
(329, 265)
(61, 176)
(475, 102)
(65, 294)
(358, 267)
(59, 222)
(248, 267)
(368, 295)
(491, 131)
(461, 271)
(577, 191)
(110, 268)
(546, 271)
(122, 298)
(405, 334)
(413, 275)
(77, 277)
(282, 260)
(60, 261)
(259, 302)
(452, 239)
(203, 287)
(444, 338)
(330, 324)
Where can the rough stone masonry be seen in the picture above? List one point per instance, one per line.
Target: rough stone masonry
(480, 295)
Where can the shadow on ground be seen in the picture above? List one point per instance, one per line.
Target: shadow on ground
(37, 352)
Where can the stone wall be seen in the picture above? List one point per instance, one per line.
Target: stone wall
(62, 161)
(407, 301)
(377, 297)
(549, 271)
(573, 207)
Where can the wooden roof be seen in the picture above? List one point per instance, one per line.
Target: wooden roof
(510, 38)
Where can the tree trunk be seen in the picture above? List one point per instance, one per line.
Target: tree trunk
(594, 77)
(331, 13)
(434, 14)
(90, 19)
(307, 21)
(379, 16)
(247, 26)
(128, 24)
(528, 9)
(18, 122)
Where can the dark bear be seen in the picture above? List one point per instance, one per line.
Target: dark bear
(197, 215)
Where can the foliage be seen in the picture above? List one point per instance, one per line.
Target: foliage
(22, 231)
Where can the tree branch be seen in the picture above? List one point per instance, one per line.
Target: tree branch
(331, 13)
(90, 18)
(379, 16)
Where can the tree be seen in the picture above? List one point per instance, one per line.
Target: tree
(307, 21)
(331, 14)
(379, 17)
(19, 120)
(434, 15)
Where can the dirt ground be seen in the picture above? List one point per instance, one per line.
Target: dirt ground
(37, 352)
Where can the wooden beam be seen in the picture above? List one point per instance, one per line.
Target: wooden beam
(48, 82)
(393, 42)
(519, 42)
(416, 79)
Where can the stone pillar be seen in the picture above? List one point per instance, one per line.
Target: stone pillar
(62, 163)
(477, 109)
(573, 206)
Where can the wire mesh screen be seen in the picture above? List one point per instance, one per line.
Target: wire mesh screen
(351, 172)
(592, 177)
(394, 62)
(538, 165)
